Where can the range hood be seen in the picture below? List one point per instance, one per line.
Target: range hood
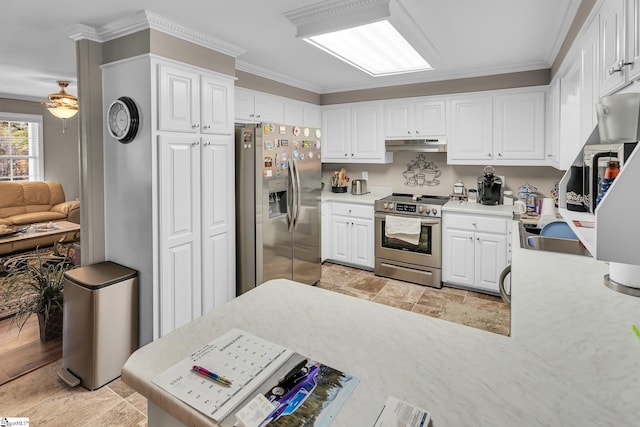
(425, 145)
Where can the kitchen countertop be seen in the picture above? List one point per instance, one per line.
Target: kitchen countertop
(572, 359)
(478, 208)
(375, 193)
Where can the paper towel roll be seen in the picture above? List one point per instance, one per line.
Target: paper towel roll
(548, 207)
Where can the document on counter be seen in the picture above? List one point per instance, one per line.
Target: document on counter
(242, 360)
(399, 413)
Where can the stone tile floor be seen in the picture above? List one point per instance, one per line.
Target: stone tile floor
(45, 400)
(455, 305)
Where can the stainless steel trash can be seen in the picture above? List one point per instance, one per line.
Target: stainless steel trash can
(100, 329)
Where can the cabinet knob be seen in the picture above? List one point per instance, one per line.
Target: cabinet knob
(478, 239)
(345, 154)
(207, 143)
(470, 237)
(206, 127)
(409, 132)
(489, 155)
(618, 67)
(474, 224)
(195, 143)
(258, 116)
(252, 115)
(195, 126)
(499, 154)
(351, 154)
(417, 133)
(549, 155)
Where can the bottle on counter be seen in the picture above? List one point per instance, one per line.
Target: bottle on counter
(612, 171)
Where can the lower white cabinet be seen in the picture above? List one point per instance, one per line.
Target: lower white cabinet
(475, 250)
(349, 237)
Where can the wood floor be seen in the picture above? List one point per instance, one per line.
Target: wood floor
(22, 353)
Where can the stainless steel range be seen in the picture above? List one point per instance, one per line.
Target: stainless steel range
(409, 238)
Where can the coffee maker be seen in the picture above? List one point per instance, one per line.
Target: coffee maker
(489, 187)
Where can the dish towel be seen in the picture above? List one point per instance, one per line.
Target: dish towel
(402, 228)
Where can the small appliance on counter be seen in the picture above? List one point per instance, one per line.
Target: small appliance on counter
(339, 181)
(489, 187)
(359, 187)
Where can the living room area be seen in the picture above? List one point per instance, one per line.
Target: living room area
(39, 209)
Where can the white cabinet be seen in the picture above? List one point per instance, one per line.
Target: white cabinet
(552, 146)
(570, 102)
(254, 107)
(613, 72)
(196, 194)
(354, 134)
(502, 127)
(350, 234)
(415, 119)
(470, 129)
(633, 39)
(194, 102)
(475, 250)
(519, 126)
(302, 114)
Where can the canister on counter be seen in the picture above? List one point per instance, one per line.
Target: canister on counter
(507, 198)
(531, 205)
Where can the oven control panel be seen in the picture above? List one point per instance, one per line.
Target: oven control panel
(407, 208)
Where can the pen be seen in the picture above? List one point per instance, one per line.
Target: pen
(202, 371)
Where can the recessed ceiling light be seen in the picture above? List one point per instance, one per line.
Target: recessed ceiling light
(377, 49)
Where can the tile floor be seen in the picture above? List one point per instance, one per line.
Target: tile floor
(45, 400)
(455, 305)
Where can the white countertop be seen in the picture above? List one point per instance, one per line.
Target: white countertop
(375, 193)
(478, 208)
(572, 359)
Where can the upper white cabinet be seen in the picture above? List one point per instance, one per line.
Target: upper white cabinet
(194, 102)
(256, 107)
(612, 46)
(470, 129)
(552, 146)
(633, 39)
(500, 127)
(519, 126)
(415, 119)
(354, 134)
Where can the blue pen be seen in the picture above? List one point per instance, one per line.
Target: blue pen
(202, 371)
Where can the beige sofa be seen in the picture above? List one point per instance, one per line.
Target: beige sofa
(29, 202)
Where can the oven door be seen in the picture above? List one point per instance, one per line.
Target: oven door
(427, 253)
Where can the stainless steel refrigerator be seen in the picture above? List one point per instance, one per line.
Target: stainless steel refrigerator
(278, 175)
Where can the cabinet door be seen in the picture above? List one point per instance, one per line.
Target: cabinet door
(589, 82)
(471, 131)
(552, 145)
(244, 106)
(430, 118)
(633, 40)
(367, 141)
(612, 47)
(519, 126)
(218, 221)
(179, 100)
(216, 105)
(293, 113)
(341, 238)
(362, 244)
(570, 142)
(312, 116)
(179, 227)
(326, 231)
(269, 109)
(399, 120)
(336, 134)
(458, 257)
(490, 260)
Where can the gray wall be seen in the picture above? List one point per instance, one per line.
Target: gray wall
(61, 161)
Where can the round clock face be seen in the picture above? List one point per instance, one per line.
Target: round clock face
(123, 119)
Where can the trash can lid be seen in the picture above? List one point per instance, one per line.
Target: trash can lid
(99, 275)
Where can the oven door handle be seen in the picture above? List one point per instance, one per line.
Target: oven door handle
(424, 221)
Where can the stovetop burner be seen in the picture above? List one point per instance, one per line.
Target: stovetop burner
(419, 198)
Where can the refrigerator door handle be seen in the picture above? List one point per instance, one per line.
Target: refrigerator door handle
(291, 214)
(296, 218)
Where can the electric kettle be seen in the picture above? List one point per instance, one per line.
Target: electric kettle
(359, 187)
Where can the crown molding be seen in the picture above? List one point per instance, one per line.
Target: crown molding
(149, 20)
(271, 75)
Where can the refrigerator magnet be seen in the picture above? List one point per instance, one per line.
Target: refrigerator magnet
(284, 156)
(277, 172)
(317, 145)
(265, 129)
(268, 145)
(268, 173)
(296, 145)
(301, 156)
(284, 165)
(318, 133)
(283, 130)
(295, 155)
(305, 132)
(296, 131)
(284, 142)
(310, 154)
(268, 162)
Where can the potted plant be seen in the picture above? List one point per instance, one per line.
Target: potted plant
(36, 287)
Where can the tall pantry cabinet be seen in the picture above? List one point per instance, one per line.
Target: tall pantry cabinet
(189, 143)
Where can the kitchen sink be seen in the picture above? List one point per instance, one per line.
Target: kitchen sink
(530, 238)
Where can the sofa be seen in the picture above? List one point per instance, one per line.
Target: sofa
(29, 202)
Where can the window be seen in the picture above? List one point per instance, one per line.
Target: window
(21, 154)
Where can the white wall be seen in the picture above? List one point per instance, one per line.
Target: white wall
(129, 178)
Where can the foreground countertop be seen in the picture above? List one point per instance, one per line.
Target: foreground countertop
(375, 193)
(572, 359)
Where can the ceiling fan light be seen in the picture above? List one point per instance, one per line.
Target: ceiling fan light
(62, 104)
(63, 112)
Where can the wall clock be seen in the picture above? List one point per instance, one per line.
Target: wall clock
(123, 119)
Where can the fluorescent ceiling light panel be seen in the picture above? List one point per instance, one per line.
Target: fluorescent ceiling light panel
(377, 49)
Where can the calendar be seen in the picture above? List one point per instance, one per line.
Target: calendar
(244, 359)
